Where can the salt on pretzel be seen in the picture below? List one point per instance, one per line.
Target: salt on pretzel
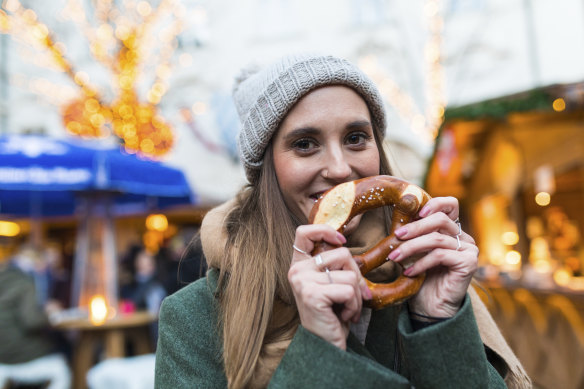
(337, 206)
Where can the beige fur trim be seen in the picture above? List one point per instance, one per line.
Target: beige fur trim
(492, 338)
(214, 235)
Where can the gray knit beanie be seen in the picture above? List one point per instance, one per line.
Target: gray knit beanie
(263, 97)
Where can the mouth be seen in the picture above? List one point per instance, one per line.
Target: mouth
(315, 196)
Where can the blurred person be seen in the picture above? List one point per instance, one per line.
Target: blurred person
(182, 263)
(44, 265)
(145, 291)
(27, 352)
(30, 260)
(127, 269)
(59, 277)
(267, 314)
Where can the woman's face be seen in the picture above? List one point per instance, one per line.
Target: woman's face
(326, 139)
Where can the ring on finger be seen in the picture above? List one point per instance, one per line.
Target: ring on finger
(318, 260)
(328, 273)
(300, 250)
(457, 221)
(458, 242)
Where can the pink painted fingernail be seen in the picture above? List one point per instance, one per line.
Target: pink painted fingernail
(341, 238)
(400, 232)
(394, 254)
(408, 271)
(424, 212)
(368, 294)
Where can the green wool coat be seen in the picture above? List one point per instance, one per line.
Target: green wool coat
(449, 354)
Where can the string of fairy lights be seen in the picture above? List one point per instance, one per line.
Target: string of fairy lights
(125, 39)
(434, 72)
(423, 123)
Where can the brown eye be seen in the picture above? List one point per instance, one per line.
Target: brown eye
(356, 138)
(304, 144)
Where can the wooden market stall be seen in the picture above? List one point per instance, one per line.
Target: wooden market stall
(516, 164)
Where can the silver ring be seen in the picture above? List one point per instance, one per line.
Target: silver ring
(300, 250)
(458, 241)
(328, 273)
(457, 221)
(318, 260)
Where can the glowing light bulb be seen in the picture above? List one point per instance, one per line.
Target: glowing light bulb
(510, 238)
(562, 277)
(513, 257)
(9, 228)
(157, 222)
(542, 199)
(559, 104)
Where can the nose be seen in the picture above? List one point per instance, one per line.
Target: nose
(337, 167)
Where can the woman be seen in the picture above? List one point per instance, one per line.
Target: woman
(264, 315)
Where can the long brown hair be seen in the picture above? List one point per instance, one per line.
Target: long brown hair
(260, 231)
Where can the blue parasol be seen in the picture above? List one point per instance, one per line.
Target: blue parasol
(42, 176)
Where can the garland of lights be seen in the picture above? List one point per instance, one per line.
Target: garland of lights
(425, 125)
(121, 44)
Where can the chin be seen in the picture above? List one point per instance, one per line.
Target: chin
(352, 226)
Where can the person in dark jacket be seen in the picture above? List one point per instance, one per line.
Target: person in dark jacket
(28, 353)
(145, 290)
(269, 314)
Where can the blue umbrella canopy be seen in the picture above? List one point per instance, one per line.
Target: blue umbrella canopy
(42, 176)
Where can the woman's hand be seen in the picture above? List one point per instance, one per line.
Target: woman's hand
(316, 294)
(449, 262)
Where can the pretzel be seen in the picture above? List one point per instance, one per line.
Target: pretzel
(337, 206)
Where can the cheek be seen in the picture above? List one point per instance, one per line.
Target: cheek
(352, 226)
(291, 178)
(369, 164)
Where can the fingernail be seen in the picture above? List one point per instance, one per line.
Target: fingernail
(400, 232)
(341, 237)
(368, 294)
(408, 271)
(394, 254)
(424, 212)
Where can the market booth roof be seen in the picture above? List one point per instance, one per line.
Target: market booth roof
(463, 139)
(42, 176)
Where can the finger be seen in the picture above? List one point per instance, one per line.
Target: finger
(336, 259)
(352, 310)
(350, 278)
(305, 271)
(307, 235)
(447, 205)
(337, 276)
(341, 259)
(424, 244)
(437, 222)
(344, 295)
(464, 264)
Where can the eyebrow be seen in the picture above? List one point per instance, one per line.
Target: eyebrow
(300, 132)
(307, 131)
(359, 124)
